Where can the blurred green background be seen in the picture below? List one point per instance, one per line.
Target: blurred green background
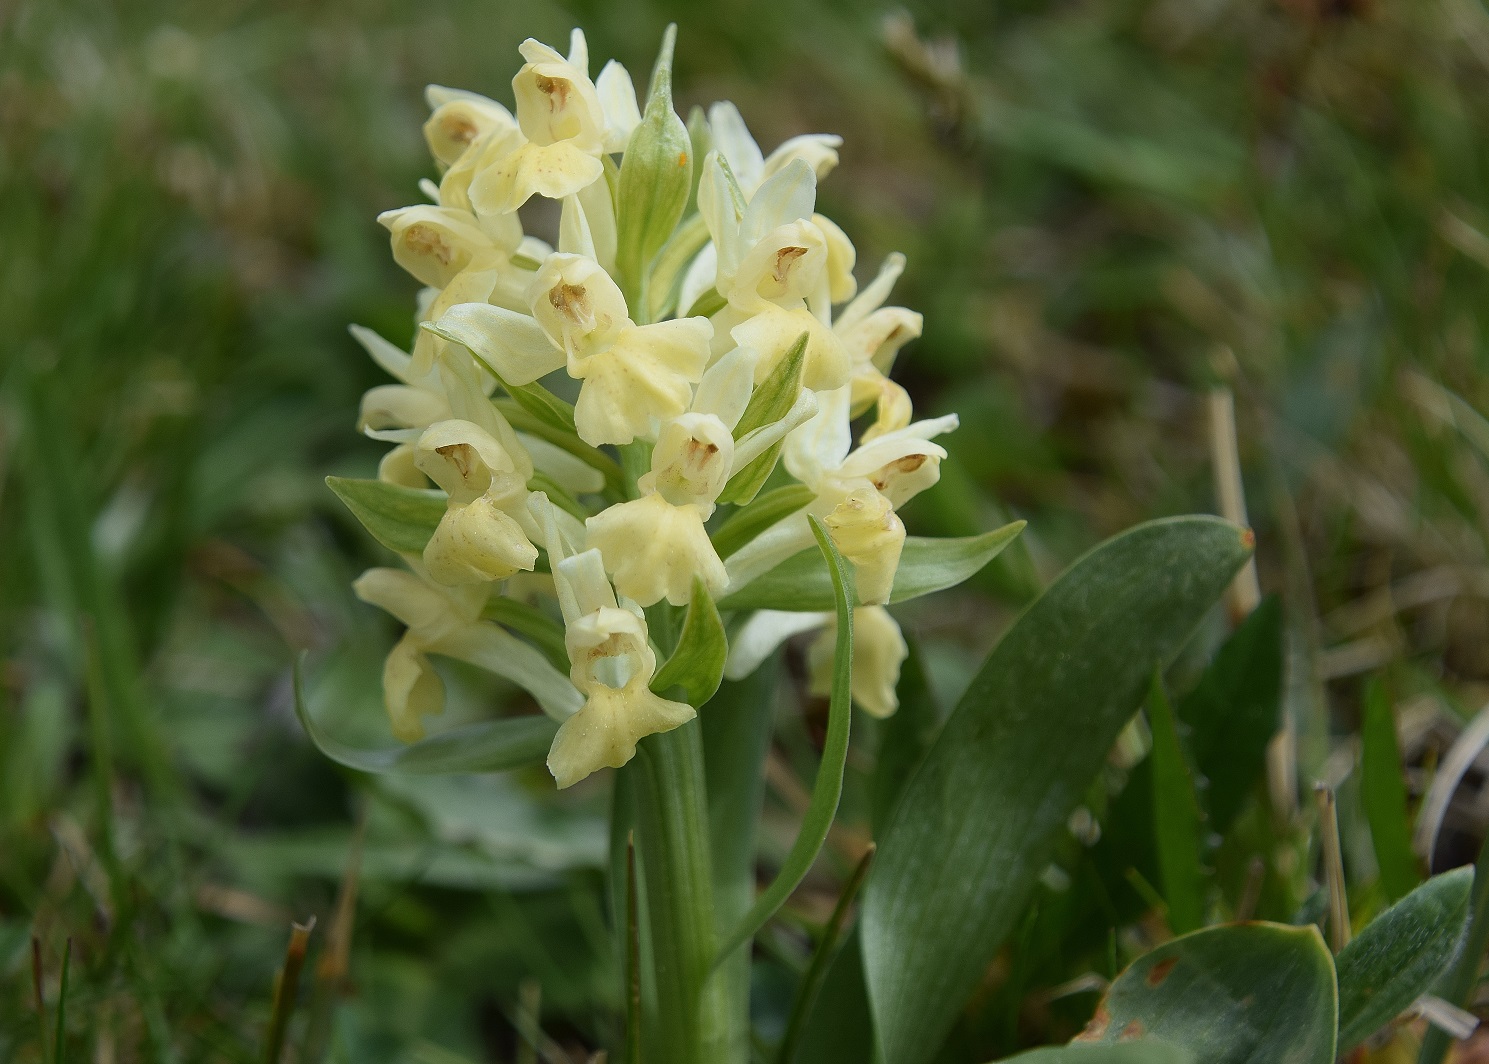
(1108, 207)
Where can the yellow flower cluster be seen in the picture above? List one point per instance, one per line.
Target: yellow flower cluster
(509, 324)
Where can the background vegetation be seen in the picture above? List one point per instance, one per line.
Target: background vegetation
(1108, 208)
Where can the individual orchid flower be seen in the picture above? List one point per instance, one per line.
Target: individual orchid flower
(857, 493)
(397, 413)
(771, 264)
(480, 537)
(567, 124)
(612, 665)
(634, 376)
(654, 546)
(447, 621)
(878, 652)
(459, 119)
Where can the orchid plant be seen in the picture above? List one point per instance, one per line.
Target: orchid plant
(629, 467)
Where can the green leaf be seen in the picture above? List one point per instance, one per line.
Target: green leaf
(771, 400)
(979, 821)
(1400, 955)
(401, 519)
(697, 663)
(1177, 821)
(802, 582)
(656, 175)
(759, 515)
(1459, 983)
(1233, 712)
(1383, 794)
(1143, 1051)
(490, 746)
(1245, 994)
(828, 788)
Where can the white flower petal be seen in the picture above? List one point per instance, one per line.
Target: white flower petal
(759, 637)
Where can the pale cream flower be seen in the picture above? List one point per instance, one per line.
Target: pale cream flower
(613, 667)
(655, 546)
(611, 663)
(894, 467)
(459, 119)
(567, 124)
(654, 549)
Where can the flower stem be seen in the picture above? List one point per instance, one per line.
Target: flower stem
(694, 1020)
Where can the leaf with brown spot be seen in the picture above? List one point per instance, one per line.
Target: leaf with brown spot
(1242, 994)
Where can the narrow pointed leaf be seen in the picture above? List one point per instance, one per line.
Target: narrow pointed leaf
(1400, 955)
(697, 663)
(828, 788)
(1176, 819)
(978, 822)
(1244, 994)
(490, 746)
(1383, 794)
(401, 519)
(802, 583)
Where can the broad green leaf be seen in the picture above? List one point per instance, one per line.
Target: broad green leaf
(979, 821)
(1383, 794)
(759, 515)
(490, 746)
(697, 663)
(771, 400)
(802, 583)
(828, 787)
(840, 1029)
(1400, 955)
(1233, 712)
(401, 519)
(656, 175)
(1244, 994)
(1142, 1051)
(1458, 984)
(1177, 821)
